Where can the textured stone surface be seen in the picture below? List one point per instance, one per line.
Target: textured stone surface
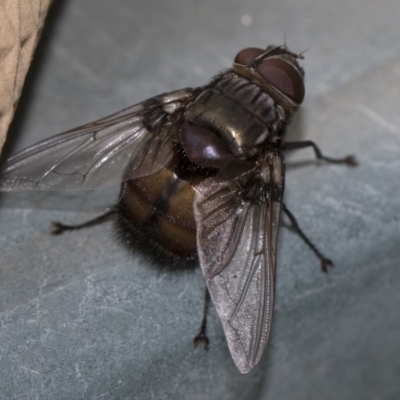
(82, 319)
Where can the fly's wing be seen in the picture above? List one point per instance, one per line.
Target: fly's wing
(97, 154)
(237, 242)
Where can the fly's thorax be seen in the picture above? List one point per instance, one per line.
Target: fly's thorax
(161, 206)
(239, 112)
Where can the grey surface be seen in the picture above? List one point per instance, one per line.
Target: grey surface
(81, 319)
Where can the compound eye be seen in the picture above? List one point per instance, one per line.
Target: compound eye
(284, 77)
(248, 55)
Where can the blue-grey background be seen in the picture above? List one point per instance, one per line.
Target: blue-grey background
(80, 318)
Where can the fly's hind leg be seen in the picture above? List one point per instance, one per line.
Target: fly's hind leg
(202, 335)
(348, 160)
(59, 228)
(326, 263)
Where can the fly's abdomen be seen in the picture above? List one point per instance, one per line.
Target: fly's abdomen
(161, 207)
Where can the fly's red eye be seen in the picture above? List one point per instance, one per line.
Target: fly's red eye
(247, 56)
(284, 77)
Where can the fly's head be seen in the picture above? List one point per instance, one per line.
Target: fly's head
(276, 70)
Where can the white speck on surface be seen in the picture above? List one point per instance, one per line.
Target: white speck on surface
(246, 20)
(30, 370)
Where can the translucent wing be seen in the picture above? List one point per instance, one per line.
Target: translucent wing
(97, 154)
(236, 242)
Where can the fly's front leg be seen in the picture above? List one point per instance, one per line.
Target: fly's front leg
(59, 228)
(325, 262)
(349, 160)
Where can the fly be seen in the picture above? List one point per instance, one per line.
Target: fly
(202, 175)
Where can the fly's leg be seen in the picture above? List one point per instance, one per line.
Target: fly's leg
(59, 227)
(349, 160)
(202, 335)
(325, 262)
